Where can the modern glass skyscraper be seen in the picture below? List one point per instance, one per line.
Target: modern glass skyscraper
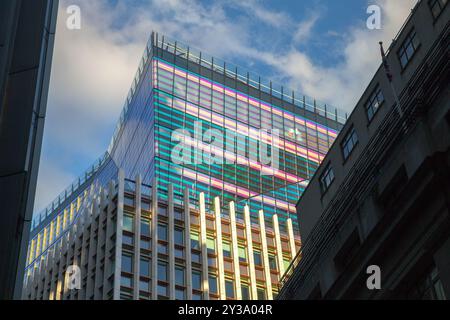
(179, 88)
(195, 122)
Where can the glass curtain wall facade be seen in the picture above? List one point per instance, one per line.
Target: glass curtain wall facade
(178, 88)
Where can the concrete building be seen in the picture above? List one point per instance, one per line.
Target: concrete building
(382, 194)
(111, 234)
(26, 45)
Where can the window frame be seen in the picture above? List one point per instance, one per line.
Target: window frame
(404, 46)
(349, 137)
(374, 97)
(328, 169)
(441, 8)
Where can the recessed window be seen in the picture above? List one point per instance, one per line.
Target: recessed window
(128, 222)
(196, 280)
(226, 250)
(349, 143)
(327, 178)
(180, 294)
(179, 236)
(408, 48)
(179, 276)
(126, 281)
(127, 239)
(195, 244)
(128, 201)
(145, 267)
(373, 103)
(127, 263)
(242, 254)
(162, 232)
(212, 280)
(261, 294)
(162, 271)
(245, 292)
(437, 6)
(272, 262)
(257, 258)
(144, 285)
(145, 227)
(145, 244)
(229, 288)
(162, 290)
(211, 245)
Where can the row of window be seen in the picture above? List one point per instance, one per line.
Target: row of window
(405, 53)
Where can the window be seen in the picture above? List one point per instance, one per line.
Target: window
(179, 294)
(162, 290)
(162, 271)
(437, 6)
(211, 245)
(327, 178)
(242, 254)
(229, 288)
(261, 294)
(145, 244)
(144, 285)
(196, 296)
(178, 214)
(349, 143)
(212, 280)
(197, 280)
(145, 267)
(128, 201)
(128, 222)
(179, 236)
(272, 262)
(145, 205)
(245, 292)
(128, 240)
(127, 263)
(227, 250)
(162, 232)
(179, 276)
(126, 281)
(373, 103)
(162, 210)
(408, 48)
(195, 244)
(145, 227)
(257, 257)
(162, 248)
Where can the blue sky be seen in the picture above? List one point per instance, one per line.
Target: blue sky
(321, 48)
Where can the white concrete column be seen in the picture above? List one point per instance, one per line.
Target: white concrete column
(219, 248)
(171, 241)
(154, 235)
(265, 255)
(290, 230)
(119, 228)
(204, 247)
(276, 229)
(137, 237)
(235, 248)
(187, 244)
(251, 259)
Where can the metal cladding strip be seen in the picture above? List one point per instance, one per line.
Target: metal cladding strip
(187, 244)
(276, 229)
(171, 243)
(251, 259)
(137, 237)
(219, 248)
(119, 228)
(291, 238)
(154, 235)
(265, 254)
(204, 248)
(235, 249)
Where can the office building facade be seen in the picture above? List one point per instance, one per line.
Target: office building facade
(378, 206)
(184, 100)
(199, 255)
